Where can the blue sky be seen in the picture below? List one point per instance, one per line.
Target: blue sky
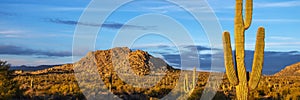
(35, 32)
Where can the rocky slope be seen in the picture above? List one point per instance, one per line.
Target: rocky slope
(121, 58)
(125, 60)
(128, 74)
(292, 70)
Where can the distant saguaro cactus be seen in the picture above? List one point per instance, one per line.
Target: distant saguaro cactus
(186, 87)
(110, 81)
(31, 83)
(241, 25)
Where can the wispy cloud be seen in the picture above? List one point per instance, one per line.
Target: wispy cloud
(76, 9)
(112, 25)
(277, 20)
(161, 46)
(5, 32)
(7, 14)
(283, 44)
(273, 4)
(281, 38)
(198, 47)
(11, 33)
(66, 8)
(157, 6)
(277, 4)
(281, 20)
(17, 50)
(31, 34)
(25, 60)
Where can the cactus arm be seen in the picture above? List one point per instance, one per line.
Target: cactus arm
(194, 78)
(238, 19)
(230, 71)
(258, 59)
(186, 84)
(240, 42)
(248, 10)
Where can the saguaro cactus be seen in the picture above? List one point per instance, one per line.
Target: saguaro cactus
(110, 81)
(241, 25)
(189, 88)
(31, 83)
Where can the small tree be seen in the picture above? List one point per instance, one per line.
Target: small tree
(4, 66)
(8, 88)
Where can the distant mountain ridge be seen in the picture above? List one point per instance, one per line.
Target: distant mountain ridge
(291, 70)
(33, 68)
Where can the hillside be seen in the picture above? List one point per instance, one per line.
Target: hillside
(292, 70)
(60, 81)
(116, 68)
(113, 67)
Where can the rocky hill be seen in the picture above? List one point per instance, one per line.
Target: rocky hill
(120, 59)
(123, 60)
(116, 67)
(292, 70)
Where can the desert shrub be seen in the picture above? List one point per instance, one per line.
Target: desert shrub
(8, 87)
(196, 95)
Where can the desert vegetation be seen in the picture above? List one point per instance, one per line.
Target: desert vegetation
(8, 86)
(59, 82)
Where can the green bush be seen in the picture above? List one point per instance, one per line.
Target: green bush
(8, 87)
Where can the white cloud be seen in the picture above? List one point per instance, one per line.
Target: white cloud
(281, 38)
(66, 8)
(9, 32)
(277, 4)
(283, 44)
(273, 4)
(17, 60)
(266, 20)
(31, 34)
(276, 20)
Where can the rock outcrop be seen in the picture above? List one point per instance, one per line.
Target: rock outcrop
(125, 72)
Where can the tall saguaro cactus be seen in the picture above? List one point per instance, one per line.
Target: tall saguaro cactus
(241, 25)
(189, 88)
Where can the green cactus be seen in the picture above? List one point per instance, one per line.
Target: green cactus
(186, 84)
(110, 82)
(194, 77)
(186, 87)
(31, 83)
(241, 25)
